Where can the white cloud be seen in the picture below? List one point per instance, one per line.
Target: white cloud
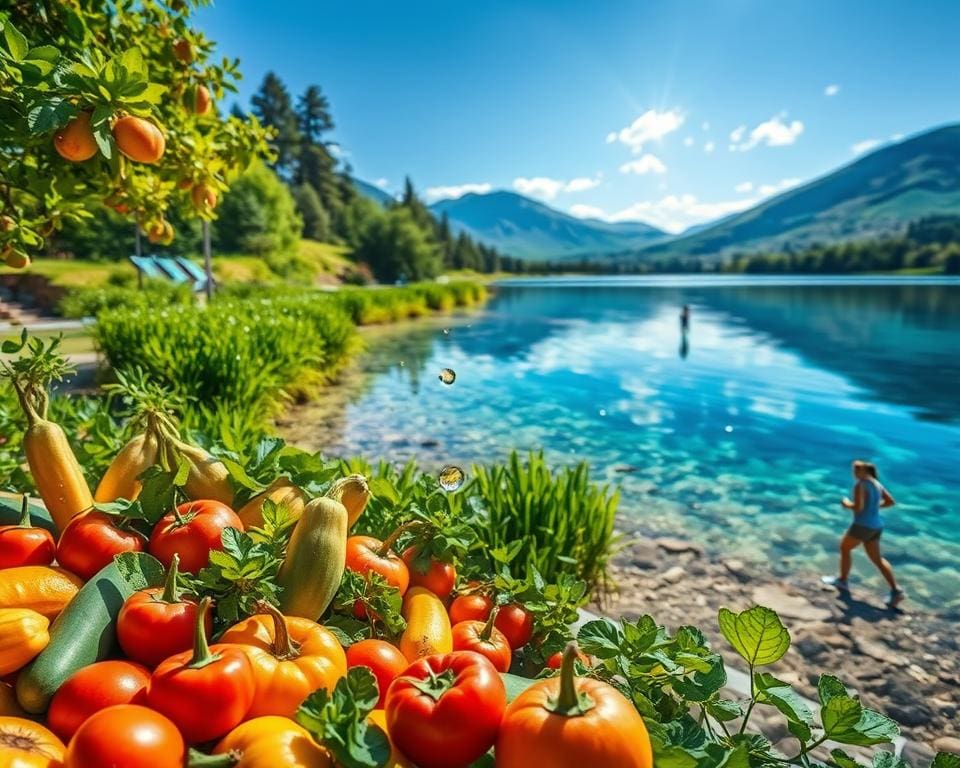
(382, 183)
(773, 133)
(650, 126)
(771, 189)
(675, 213)
(547, 188)
(705, 126)
(709, 147)
(831, 90)
(586, 211)
(454, 191)
(611, 137)
(688, 141)
(645, 164)
(864, 146)
(744, 186)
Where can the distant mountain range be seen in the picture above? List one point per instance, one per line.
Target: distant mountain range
(524, 228)
(372, 191)
(874, 196)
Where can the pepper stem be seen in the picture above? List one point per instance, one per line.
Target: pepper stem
(197, 759)
(201, 648)
(283, 647)
(570, 702)
(25, 512)
(487, 630)
(171, 594)
(392, 538)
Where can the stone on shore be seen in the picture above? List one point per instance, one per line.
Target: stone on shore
(787, 605)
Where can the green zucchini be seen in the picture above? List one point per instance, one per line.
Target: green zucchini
(515, 685)
(85, 632)
(10, 505)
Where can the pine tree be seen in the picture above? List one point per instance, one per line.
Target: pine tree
(313, 115)
(272, 106)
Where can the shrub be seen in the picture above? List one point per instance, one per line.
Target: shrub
(90, 302)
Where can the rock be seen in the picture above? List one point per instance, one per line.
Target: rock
(627, 469)
(679, 546)
(810, 645)
(673, 575)
(945, 707)
(737, 568)
(878, 651)
(917, 753)
(645, 554)
(947, 744)
(789, 606)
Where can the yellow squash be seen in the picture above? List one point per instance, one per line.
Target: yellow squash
(56, 471)
(270, 742)
(354, 493)
(23, 634)
(45, 589)
(120, 479)
(26, 744)
(207, 476)
(379, 718)
(281, 492)
(428, 625)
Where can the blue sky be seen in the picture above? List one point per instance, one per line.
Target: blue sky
(671, 112)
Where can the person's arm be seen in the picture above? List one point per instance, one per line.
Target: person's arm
(857, 504)
(886, 500)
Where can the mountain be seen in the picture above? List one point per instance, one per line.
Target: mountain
(521, 227)
(876, 195)
(376, 194)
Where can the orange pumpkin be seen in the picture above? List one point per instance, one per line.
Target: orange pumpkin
(26, 744)
(291, 656)
(570, 722)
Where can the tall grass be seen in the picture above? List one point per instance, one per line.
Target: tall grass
(90, 302)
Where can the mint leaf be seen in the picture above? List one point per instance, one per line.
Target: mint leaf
(783, 697)
(842, 760)
(757, 634)
(884, 759)
(601, 638)
(724, 709)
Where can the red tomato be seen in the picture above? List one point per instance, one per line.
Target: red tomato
(384, 660)
(207, 691)
(556, 660)
(444, 711)
(126, 736)
(90, 541)
(473, 607)
(22, 544)
(439, 577)
(156, 623)
(366, 554)
(516, 622)
(484, 638)
(93, 688)
(192, 531)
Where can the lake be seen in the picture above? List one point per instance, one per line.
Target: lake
(739, 436)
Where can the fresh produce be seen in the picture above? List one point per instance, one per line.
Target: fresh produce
(365, 554)
(90, 541)
(382, 658)
(281, 492)
(120, 481)
(271, 742)
(206, 692)
(22, 544)
(95, 687)
(428, 626)
(315, 559)
(207, 476)
(139, 139)
(26, 744)
(75, 142)
(445, 710)
(430, 573)
(11, 512)
(23, 634)
(472, 607)
(291, 658)
(484, 638)
(570, 722)
(192, 530)
(156, 623)
(126, 736)
(83, 633)
(42, 588)
(354, 493)
(379, 718)
(516, 623)
(8, 702)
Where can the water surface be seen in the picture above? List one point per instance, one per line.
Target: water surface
(739, 435)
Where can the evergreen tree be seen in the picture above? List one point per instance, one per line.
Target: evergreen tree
(420, 213)
(313, 115)
(316, 165)
(395, 247)
(272, 106)
(316, 220)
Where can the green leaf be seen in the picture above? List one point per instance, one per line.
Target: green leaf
(104, 139)
(382, 488)
(801, 730)
(724, 709)
(48, 53)
(601, 638)
(783, 697)
(132, 61)
(140, 570)
(829, 687)
(757, 634)
(884, 759)
(945, 760)
(339, 721)
(16, 42)
(842, 760)
(49, 115)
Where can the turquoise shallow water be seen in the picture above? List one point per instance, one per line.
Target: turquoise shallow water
(740, 438)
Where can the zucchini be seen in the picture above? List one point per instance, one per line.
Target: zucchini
(85, 632)
(515, 684)
(10, 505)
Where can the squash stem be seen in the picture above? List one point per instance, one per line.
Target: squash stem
(202, 656)
(197, 759)
(393, 537)
(283, 647)
(570, 702)
(171, 594)
(487, 630)
(25, 512)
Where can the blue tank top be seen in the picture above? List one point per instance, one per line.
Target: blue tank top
(869, 516)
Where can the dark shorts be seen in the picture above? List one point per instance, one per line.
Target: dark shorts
(863, 533)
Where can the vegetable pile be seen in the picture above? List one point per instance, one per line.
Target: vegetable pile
(204, 609)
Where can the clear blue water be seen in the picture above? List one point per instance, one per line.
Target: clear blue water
(741, 438)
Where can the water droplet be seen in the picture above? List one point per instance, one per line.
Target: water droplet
(448, 376)
(728, 428)
(603, 411)
(402, 364)
(446, 331)
(451, 478)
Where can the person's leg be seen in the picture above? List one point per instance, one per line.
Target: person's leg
(847, 544)
(873, 552)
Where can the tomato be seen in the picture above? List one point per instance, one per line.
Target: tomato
(475, 607)
(516, 623)
(444, 711)
(484, 638)
(156, 623)
(126, 736)
(556, 660)
(22, 544)
(191, 531)
(90, 541)
(26, 744)
(366, 554)
(93, 688)
(207, 691)
(384, 660)
(435, 575)
(270, 742)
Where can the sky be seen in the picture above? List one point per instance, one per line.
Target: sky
(672, 112)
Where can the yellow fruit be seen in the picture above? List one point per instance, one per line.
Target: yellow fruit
(75, 142)
(139, 139)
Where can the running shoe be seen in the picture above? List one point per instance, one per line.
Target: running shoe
(836, 581)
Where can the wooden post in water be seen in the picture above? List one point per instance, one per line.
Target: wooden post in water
(207, 260)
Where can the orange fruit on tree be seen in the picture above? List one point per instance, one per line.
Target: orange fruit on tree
(201, 100)
(7, 224)
(160, 232)
(75, 142)
(16, 259)
(183, 50)
(204, 197)
(139, 139)
(185, 184)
